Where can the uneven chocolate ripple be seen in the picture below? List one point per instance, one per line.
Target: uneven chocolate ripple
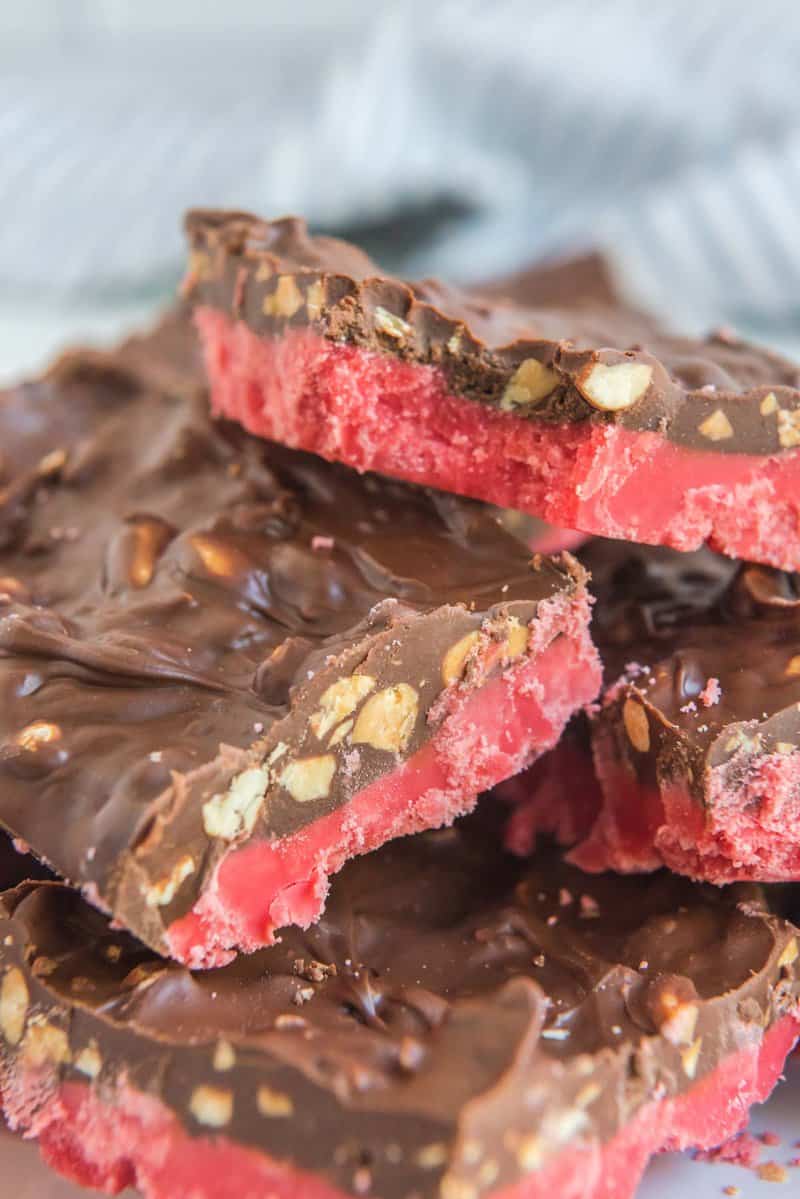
(168, 588)
(677, 620)
(444, 982)
(748, 395)
(582, 280)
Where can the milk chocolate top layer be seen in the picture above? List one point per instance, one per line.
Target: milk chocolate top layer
(175, 596)
(455, 1012)
(670, 622)
(591, 362)
(585, 279)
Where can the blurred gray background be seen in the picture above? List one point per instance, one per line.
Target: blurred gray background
(465, 139)
(454, 138)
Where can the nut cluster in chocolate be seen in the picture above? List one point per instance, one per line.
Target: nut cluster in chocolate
(575, 363)
(183, 606)
(672, 623)
(456, 1019)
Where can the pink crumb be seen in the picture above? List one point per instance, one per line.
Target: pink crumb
(322, 543)
(711, 693)
(741, 1150)
(770, 1138)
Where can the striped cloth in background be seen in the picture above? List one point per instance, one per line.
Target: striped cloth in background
(460, 138)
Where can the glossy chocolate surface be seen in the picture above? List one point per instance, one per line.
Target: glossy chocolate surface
(175, 597)
(456, 1013)
(716, 394)
(669, 623)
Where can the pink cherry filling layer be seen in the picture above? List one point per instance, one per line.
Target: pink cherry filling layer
(374, 411)
(110, 1140)
(747, 830)
(487, 735)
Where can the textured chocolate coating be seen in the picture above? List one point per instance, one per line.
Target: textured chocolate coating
(715, 394)
(448, 993)
(668, 623)
(578, 281)
(649, 594)
(176, 596)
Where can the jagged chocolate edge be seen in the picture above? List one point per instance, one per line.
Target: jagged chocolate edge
(456, 1019)
(176, 599)
(667, 623)
(717, 394)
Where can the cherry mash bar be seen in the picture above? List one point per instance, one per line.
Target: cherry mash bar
(587, 416)
(459, 1025)
(226, 667)
(696, 743)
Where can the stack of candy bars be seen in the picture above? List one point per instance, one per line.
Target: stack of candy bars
(235, 674)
